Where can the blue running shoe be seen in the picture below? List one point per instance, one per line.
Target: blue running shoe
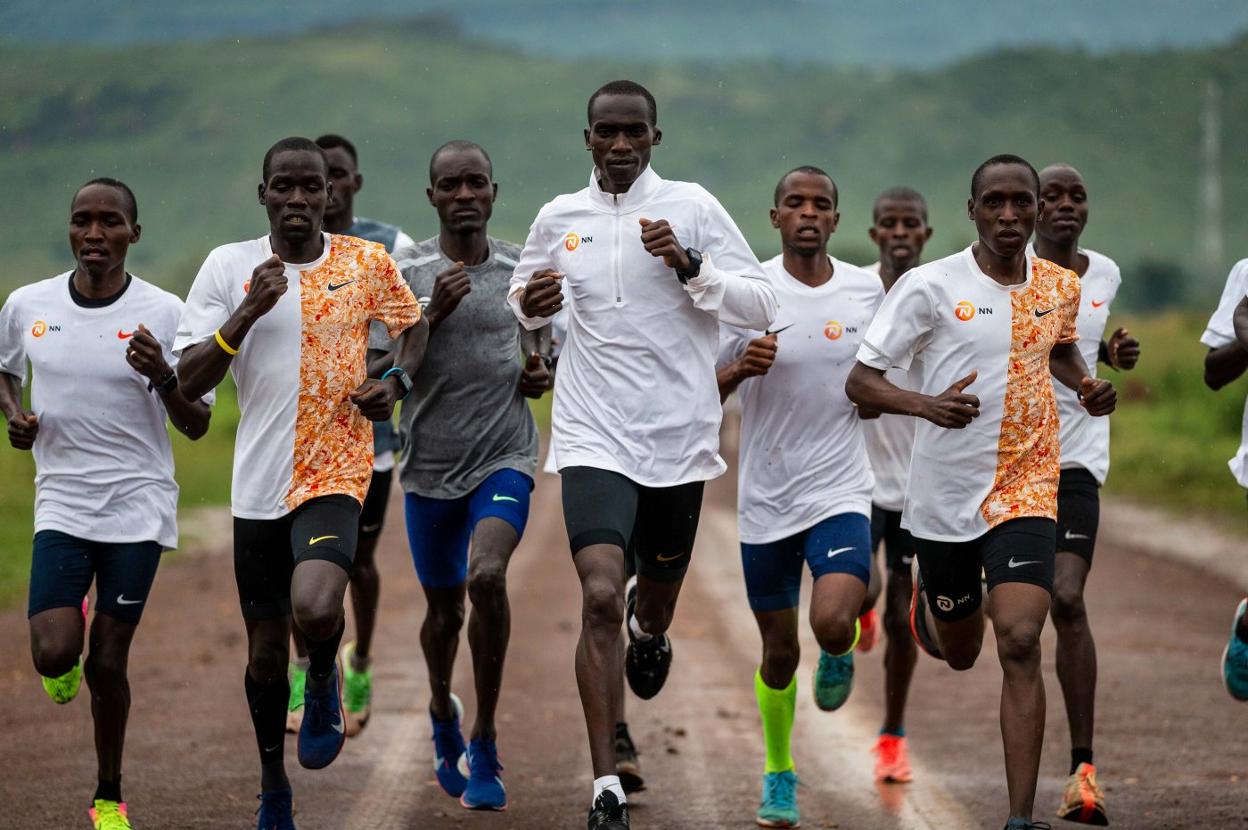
(323, 731)
(450, 760)
(485, 788)
(276, 811)
(1235, 659)
(834, 680)
(778, 807)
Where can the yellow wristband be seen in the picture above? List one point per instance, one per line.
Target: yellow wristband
(225, 347)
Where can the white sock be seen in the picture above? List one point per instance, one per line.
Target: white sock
(634, 627)
(608, 782)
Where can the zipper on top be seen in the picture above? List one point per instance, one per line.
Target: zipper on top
(616, 281)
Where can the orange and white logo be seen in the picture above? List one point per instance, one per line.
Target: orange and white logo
(246, 286)
(571, 242)
(964, 311)
(833, 330)
(39, 329)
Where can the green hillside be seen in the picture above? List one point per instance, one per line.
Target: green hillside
(186, 124)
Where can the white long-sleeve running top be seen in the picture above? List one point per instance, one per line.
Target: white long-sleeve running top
(635, 392)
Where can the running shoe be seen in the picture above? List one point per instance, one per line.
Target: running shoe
(357, 692)
(109, 815)
(869, 631)
(608, 813)
(1083, 801)
(1027, 824)
(627, 767)
(485, 787)
(892, 760)
(1234, 659)
(276, 811)
(646, 662)
(918, 621)
(778, 807)
(450, 757)
(834, 680)
(323, 732)
(65, 688)
(294, 709)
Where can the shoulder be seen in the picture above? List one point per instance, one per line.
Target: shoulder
(1103, 265)
(506, 253)
(420, 255)
(1239, 272)
(39, 291)
(857, 275)
(1050, 271)
(562, 205)
(355, 246)
(154, 294)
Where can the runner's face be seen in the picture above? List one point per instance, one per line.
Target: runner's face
(806, 215)
(462, 191)
(900, 231)
(620, 137)
(295, 194)
(346, 181)
(1065, 206)
(100, 232)
(1006, 208)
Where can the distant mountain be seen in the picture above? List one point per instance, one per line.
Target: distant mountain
(839, 32)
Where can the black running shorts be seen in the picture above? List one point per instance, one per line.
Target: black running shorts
(1078, 512)
(373, 515)
(1020, 550)
(655, 526)
(62, 568)
(267, 550)
(898, 543)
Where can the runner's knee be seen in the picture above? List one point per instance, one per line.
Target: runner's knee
(603, 605)
(1019, 643)
(487, 584)
(835, 631)
(1068, 609)
(105, 668)
(318, 613)
(897, 614)
(54, 657)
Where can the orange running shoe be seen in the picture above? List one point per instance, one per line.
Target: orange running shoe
(892, 760)
(1082, 801)
(870, 631)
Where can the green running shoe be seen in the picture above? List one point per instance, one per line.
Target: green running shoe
(357, 692)
(834, 680)
(294, 709)
(109, 815)
(778, 807)
(65, 688)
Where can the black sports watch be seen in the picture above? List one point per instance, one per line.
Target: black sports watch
(405, 380)
(695, 266)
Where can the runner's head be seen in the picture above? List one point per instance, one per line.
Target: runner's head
(103, 224)
(461, 186)
(1004, 203)
(345, 178)
(805, 211)
(1065, 205)
(899, 227)
(622, 130)
(295, 188)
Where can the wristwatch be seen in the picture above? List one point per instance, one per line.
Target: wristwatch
(695, 266)
(404, 379)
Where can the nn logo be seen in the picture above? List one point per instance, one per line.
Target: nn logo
(573, 240)
(966, 310)
(833, 330)
(40, 328)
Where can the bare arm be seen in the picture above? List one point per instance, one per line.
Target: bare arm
(952, 409)
(146, 356)
(756, 360)
(1097, 395)
(23, 425)
(376, 398)
(1225, 365)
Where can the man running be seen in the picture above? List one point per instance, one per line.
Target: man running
(294, 338)
(899, 229)
(804, 489)
(982, 494)
(651, 267)
(1085, 463)
(357, 671)
(471, 454)
(98, 340)
(1227, 359)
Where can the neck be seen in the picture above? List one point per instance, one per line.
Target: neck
(809, 269)
(99, 285)
(302, 250)
(609, 186)
(1007, 270)
(890, 272)
(472, 248)
(339, 224)
(1065, 254)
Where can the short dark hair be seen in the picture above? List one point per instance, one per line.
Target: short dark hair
(901, 193)
(331, 140)
(624, 88)
(292, 143)
(812, 170)
(459, 144)
(1003, 158)
(132, 204)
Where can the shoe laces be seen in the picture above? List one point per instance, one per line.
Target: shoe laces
(781, 788)
(651, 651)
(111, 815)
(608, 808)
(448, 743)
(835, 669)
(274, 811)
(321, 711)
(483, 759)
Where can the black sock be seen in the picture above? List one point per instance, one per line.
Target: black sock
(323, 653)
(1079, 755)
(268, 702)
(1241, 629)
(108, 790)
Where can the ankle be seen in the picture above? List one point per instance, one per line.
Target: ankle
(1079, 755)
(108, 790)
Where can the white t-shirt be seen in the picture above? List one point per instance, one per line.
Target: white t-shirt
(1221, 332)
(103, 460)
(943, 320)
(299, 436)
(802, 453)
(1085, 439)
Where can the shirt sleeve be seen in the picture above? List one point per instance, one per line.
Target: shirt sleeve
(901, 328)
(559, 330)
(394, 305)
(730, 283)
(535, 257)
(1221, 329)
(401, 241)
(168, 337)
(207, 306)
(1070, 309)
(12, 343)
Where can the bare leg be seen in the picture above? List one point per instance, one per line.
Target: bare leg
(599, 657)
(489, 626)
(1076, 651)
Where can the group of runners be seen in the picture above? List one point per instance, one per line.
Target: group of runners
(948, 413)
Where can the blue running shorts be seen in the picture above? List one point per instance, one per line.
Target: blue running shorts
(62, 568)
(773, 570)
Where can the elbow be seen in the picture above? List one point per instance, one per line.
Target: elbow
(854, 388)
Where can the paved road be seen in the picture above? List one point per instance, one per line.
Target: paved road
(1170, 741)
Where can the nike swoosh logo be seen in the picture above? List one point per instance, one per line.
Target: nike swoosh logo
(1040, 313)
(124, 335)
(1095, 304)
(497, 497)
(121, 600)
(838, 551)
(1073, 536)
(770, 332)
(333, 287)
(661, 558)
(316, 539)
(1014, 564)
(338, 726)
(272, 748)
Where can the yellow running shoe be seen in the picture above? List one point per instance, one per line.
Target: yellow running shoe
(65, 688)
(110, 815)
(1083, 802)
